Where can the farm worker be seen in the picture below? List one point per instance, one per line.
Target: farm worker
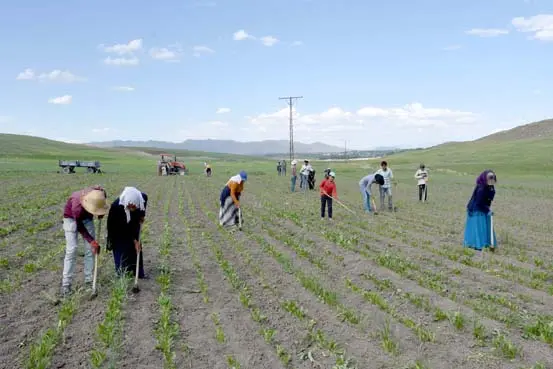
(328, 192)
(78, 216)
(422, 177)
(163, 170)
(207, 170)
(386, 188)
(304, 173)
(478, 228)
(279, 168)
(365, 187)
(327, 172)
(125, 219)
(283, 167)
(230, 199)
(294, 176)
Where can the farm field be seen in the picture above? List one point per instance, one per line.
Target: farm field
(395, 290)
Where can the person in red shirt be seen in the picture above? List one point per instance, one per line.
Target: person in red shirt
(328, 192)
(78, 214)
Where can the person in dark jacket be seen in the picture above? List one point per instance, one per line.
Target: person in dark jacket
(125, 219)
(478, 225)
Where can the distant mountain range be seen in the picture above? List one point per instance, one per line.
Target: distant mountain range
(228, 146)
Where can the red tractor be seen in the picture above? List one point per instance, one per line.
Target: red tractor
(168, 165)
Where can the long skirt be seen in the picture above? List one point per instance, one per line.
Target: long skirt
(477, 231)
(124, 256)
(228, 213)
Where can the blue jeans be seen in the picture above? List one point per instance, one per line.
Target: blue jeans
(366, 198)
(293, 183)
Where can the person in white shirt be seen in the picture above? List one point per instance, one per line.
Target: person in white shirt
(304, 174)
(422, 177)
(386, 188)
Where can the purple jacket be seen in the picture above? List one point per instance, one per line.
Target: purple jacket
(74, 210)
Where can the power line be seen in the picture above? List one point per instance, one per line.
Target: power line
(290, 102)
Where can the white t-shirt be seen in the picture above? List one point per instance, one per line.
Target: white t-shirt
(388, 176)
(422, 176)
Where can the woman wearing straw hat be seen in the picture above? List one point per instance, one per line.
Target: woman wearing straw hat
(78, 216)
(125, 218)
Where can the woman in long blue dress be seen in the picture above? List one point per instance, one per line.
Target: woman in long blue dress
(478, 225)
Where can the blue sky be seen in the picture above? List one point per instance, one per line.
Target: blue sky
(372, 73)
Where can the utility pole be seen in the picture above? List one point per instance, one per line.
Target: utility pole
(290, 102)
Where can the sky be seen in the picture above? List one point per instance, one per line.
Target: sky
(404, 73)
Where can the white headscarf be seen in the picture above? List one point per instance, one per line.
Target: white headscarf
(236, 179)
(131, 195)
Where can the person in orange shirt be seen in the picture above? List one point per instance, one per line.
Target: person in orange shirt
(328, 192)
(230, 199)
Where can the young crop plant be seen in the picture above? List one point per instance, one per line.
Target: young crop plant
(110, 331)
(166, 330)
(508, 349)
(41, 352)
(388, 343)
(219, 333)
(458, 320)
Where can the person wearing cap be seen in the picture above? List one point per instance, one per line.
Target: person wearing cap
(328, 192)
(365, 187)
(294, 176)
(230, 199)
(478, 227)
(125, 219)
(78, 218)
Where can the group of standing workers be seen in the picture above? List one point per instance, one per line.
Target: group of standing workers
(125, 218)
(479, 231)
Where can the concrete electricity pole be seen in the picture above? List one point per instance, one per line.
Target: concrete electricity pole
(290, 102)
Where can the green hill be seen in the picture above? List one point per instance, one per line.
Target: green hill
(524, 150)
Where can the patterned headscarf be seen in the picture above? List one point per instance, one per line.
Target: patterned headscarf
(482, 179)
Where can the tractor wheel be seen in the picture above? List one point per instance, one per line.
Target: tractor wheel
(91, 170)
(66, 170)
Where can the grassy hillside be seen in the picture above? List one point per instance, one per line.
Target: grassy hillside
(538, 130)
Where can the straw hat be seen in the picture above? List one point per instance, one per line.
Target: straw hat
(95, 202)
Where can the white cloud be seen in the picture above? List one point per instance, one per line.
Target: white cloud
(61, 100)
(540, 25)
(487, 32)
(102, 130)
(242, 35)
(201, 50)
(121, 61)
(60, 76)
(416, 114)
(223, 110)
(269, 40)
(27, 74)
(218, 123)
(452, 47)
(297, 43)
(337, 123)
(124, 49)
(123, 88)
(172, 53)
(56, 75)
